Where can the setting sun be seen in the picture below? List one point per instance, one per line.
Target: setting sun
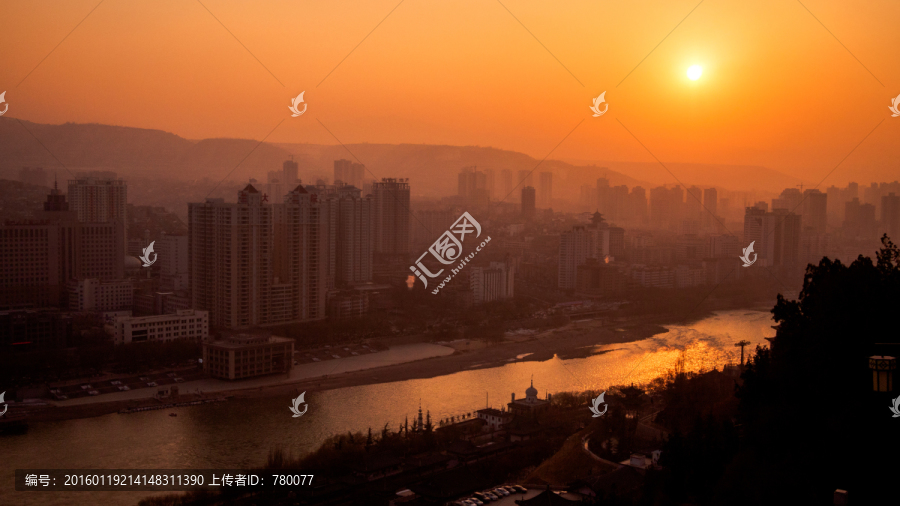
(694, 72)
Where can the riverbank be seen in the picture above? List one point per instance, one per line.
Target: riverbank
(575, 340)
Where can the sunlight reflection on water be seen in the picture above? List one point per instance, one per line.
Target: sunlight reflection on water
(240, 433)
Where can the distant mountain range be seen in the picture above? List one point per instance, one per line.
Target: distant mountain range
(432, 169)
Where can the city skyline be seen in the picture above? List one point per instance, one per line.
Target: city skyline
(734, 112)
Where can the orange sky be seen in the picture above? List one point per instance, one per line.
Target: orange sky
(777, 88)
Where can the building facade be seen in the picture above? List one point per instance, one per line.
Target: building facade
(246, 356)
(184, 324)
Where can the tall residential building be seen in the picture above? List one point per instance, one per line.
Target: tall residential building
(392, 217)
(528, 197)
(289, 177)
(347, 219)
(639, 205)
(545, 195)
(100, 200)
(711, 205)
(472, 186)
(584, 242)
(859, 221)
(524, 178)
(603, 196)
(814, 210)
(39, 257)
(300, 257)
(350, 173)
(230, 250)
(428, 225)
(172, 252)
(776, 235)
(506, 183)
(890, 216)
(491, 283)
(789, 200)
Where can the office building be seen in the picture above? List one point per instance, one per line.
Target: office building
(246, 356)
(26, 330)
(184, 324)
(92, 294)
(38, 257)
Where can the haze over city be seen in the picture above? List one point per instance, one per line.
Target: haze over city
(423, 254)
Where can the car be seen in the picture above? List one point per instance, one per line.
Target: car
(93, 392)
(500, 490)
(510, 489)
(491, 496)
(481, 497)
(476, 502)
(520, 489)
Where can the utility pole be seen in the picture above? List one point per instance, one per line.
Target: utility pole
(742, 344)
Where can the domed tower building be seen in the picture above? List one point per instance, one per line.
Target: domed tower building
(530, 404)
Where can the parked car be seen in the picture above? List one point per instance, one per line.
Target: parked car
(491, 495)
(510, 489)
(476, 502)
(481, 497)
(520, 489)
(501, 491)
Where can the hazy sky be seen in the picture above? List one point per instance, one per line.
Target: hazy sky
(777, 89)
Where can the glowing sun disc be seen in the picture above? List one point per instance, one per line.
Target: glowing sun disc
(694, 72)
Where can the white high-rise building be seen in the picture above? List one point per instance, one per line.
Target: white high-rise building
(230, 250)
(301, 257)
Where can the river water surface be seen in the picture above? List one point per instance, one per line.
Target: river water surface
(240, 433)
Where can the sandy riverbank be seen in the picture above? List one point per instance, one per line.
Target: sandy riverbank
(575, 340)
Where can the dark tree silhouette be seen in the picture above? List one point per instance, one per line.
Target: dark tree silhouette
(811, 420)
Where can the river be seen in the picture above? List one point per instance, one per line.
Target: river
(240, 433)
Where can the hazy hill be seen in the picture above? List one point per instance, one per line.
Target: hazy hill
(146, 154)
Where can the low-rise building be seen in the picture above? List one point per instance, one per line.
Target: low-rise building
(34, 329)
(246, 356)
(93, 294)
(530, 404)
(494, 418)
(184, 324)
